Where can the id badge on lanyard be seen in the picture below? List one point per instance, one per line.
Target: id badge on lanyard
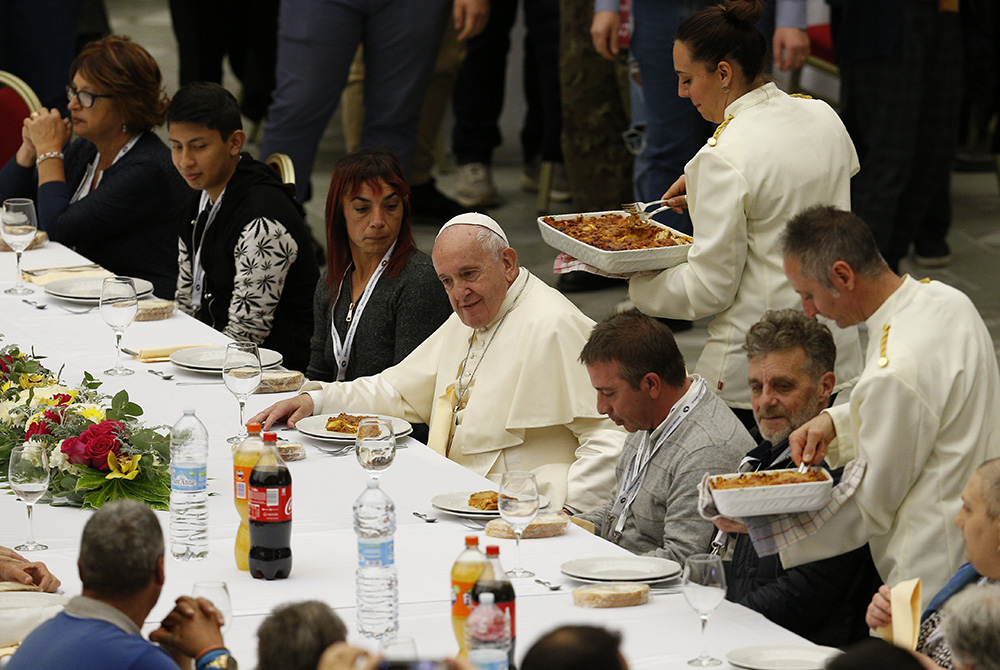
(342, 349)
(197, 270)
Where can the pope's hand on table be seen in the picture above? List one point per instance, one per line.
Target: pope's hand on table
(191, 627)
(470, 17)
(292, 409)
(48, 131)
(727, 525)
(879, 611)
(676, 195)
(604, 33)
(809, 441)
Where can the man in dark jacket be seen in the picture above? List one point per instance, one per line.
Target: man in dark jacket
(245, 258)
(791, 378)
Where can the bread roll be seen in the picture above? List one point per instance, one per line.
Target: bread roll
(277, 381)
(291, 451)
(543, 525)
(154, 310)
(41, 237)
(611, 595)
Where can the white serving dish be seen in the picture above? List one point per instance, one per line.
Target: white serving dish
(773, 499)
(616, 262)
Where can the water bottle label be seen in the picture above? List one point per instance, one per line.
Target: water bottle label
(488, 659)
(183, 478)
(272, 504)
(375, 554)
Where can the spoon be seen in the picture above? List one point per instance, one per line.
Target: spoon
(161, 374)
(428, 519)
(549, 585)
(33, 303)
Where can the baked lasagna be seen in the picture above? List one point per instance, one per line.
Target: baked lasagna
(345, 423)
(617, 231)
(768, 478)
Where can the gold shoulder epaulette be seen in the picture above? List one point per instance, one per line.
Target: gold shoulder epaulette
(883, 360)
(925, 280)
(714, 139)
(801, 95)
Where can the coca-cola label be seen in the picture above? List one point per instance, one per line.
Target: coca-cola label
(270, 504)
(185, 478)
(375, 554)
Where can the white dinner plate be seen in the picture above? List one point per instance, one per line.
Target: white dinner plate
(782, 657)
(88, 289)
(643, 569)
(211, 359)
(315, 427)
(457, 504)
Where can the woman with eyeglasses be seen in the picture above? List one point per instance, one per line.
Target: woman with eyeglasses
(112, 194)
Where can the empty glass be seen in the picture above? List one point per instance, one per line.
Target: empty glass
(19, 225)
(375, 445)
(218, 593)
(28, 474)
(518, 503)
(704, 589)
(241, 372)
(119, 306)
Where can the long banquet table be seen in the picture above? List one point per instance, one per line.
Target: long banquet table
(661, 634)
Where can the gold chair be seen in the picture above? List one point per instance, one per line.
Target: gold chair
(22, 89)
(283, 165)
(17, 101)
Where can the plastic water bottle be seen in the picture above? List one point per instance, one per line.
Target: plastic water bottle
(487, 635)
(188, 488)
(378, 601)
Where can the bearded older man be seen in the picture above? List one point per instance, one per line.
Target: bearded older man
(499, 382)
(791, 377)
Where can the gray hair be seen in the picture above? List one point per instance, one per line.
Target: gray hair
(784, 329)
(989, 472)
(294, 636)
(820, 236)
(972, 627)
(120, 547)
(490, 242)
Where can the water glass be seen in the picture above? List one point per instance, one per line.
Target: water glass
(518, 503)
(19, 225)
(28, 474)
(375, 445)
(241, 372)
(398, 648)
(218, 593)
(704, 587)
(119, 305)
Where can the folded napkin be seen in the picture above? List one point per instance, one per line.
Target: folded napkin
(905, 626)
(48, 277)
(160, 354)
(583, 523)
(8, 651)
(565, 263)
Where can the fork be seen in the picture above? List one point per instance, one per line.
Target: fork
(425, 517)
(549, 585)
(33, 303)
(85, 310)
(640, 208)
(161, 374)
(469, 523)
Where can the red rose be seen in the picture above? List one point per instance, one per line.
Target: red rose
(74, 447)
(5, 362)
(39, 427)
(100, 439)
(62, 399)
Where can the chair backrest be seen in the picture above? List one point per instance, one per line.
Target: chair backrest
(17, 101)
(282, 164)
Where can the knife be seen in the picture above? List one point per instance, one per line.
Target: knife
(65, 268)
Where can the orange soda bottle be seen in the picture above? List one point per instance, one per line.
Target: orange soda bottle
(244, 458)
(464, 573)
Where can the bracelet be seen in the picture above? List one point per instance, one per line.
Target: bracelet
(208, 649)
(47, 155)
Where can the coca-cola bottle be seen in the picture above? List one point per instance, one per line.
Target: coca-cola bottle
(269, 506)
(494, 580)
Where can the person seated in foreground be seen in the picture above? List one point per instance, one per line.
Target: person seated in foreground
(32, 574)
(121, 568)
(576, 647)
(498, 383)
(979, 521)
(878, 655)
(792, 361)
(972, 628)
(294, 636)
(678, 430)
(246, 265)
(342, 656)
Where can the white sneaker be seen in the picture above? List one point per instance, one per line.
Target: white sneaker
(474, 186)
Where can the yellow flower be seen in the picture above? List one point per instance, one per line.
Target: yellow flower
(5, 387)
(124, 467)
(90, 412)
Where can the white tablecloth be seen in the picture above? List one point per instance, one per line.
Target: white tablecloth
(662, 634)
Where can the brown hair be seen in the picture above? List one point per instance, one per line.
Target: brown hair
(364, 166)
(123, 69)
(640, 345)
(727, 32)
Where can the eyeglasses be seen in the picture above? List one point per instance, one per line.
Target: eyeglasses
(85, 98)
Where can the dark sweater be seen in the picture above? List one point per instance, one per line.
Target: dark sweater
(823, 601)
(128, 223)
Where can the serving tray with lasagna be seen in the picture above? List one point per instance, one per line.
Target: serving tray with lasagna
(615, 241)
(770, 492)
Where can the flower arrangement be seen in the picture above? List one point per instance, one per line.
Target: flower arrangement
(98, 449)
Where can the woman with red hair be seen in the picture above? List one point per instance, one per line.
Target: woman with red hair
(380, 296)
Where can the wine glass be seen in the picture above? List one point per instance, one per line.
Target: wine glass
(241, 372)
(375, 445)
(119, 306)
(18, 231)
(398, 648)
(28, 474)
(218, 593)
(704, 589)
(518, 503)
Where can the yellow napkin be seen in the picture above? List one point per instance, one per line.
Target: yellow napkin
(905, 626)
(8, 651)
(161, 354)
(43, 279)
(583, 523)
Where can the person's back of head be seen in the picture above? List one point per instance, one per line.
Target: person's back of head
(972, 627)
(120, 548)
(640, 345)
(208, 104)
(820, 236)
(874, 654)
(576, 647)
(294, 636)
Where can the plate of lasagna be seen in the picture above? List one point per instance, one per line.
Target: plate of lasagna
(474, 504)
(615, 241)
(770, 492)
(343, 427)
